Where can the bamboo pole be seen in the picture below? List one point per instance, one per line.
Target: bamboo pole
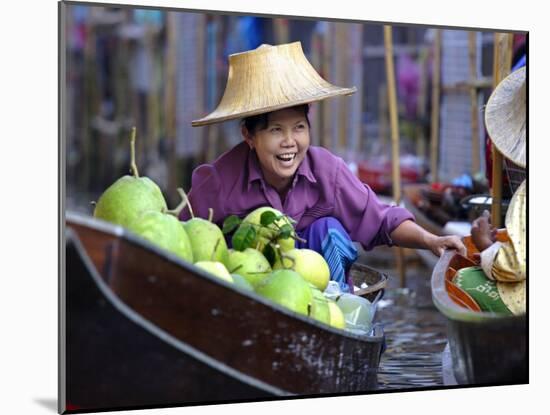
(342, 40)
(316, 119)
(394, 127)
(421, 104)
(327, 53)
(170, 98)
(472, 55)
(501, 68)
(434, 138)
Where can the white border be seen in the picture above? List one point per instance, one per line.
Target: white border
(29, 202)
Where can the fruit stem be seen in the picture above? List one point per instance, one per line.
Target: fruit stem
(215, 249)
(210, 214)
(133, 166)
(297, 238)
(186, 200)
(177, 210)
(238, 267)
(291, 259)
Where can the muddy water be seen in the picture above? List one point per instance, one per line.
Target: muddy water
(415, 331)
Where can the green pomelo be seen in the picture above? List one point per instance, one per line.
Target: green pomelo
(215, 268)
(265, 234)
(127, 198)
(250, 263)
(287, 288)
(241, 281)
(319, 306)
(336, 316)
(165, 231)
(309, 264)
(207, 240)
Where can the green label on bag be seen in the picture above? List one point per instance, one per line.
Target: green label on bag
(483, 290)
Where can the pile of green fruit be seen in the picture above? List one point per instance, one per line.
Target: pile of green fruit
(263, 257)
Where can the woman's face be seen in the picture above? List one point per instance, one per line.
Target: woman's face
(281, 146)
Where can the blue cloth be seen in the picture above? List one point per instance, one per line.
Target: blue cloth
(328, 237)
(522, 61)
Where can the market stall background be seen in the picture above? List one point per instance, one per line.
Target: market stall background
(159, 69)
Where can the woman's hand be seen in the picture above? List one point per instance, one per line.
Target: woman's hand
(483, 234)
(408, 234)
(437, 244)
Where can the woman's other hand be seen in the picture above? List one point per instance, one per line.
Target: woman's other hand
(483, 234)
(437, 244)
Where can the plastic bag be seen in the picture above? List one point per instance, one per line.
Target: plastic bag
(358, 312)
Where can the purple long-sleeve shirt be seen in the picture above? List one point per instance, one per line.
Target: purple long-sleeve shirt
(322, 186)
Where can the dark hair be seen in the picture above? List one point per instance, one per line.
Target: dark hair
(259, 122)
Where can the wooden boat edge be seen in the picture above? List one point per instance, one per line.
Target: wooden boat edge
(448, 307)
(118, 231)
(150, 327)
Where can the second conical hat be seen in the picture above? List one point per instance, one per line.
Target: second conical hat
(267, 79)
(505, 117)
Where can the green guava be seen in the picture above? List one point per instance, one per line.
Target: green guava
(130, 196)
(287, 288)
(165, 231)
(265, 234)
(215, 268)
(337, 319)
(308, 263)
(241, 281)
(319, 306)
(207, 240)
(250, 263)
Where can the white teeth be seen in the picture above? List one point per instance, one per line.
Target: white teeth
(286, 156)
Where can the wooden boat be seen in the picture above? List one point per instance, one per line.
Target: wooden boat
(144, 327)
(486, 348)
(417, 204)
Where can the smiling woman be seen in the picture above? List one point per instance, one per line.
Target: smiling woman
(276, 166)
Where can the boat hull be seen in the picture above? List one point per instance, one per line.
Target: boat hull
(486, 348)
(232, 336)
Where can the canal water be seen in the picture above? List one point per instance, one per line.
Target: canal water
(415, 331)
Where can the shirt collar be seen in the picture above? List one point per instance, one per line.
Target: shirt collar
(255, 171)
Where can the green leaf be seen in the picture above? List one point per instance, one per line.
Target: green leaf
(243, 237)
(269, 254)
(230, 224)
(268, 218)
(286, 231)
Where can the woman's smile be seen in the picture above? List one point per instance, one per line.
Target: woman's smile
(281, 146)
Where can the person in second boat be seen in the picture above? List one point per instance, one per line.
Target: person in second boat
(270, 90)
(503, 264)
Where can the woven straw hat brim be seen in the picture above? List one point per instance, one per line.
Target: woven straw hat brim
(516, 221)
(268, 79)
(505, 117)
(220, 115)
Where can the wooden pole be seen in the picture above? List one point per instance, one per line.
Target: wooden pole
(434, 139)
(501, 68)
(394, 128)
(421, 104)
(316, 57)
(472, 55)
(342, 62)
(170, 99)
(327, 119)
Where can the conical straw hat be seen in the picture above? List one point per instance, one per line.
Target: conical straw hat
(516, 224)
(505, 117)
(267, 79)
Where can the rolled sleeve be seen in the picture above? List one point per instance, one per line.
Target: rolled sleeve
(367, 219)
